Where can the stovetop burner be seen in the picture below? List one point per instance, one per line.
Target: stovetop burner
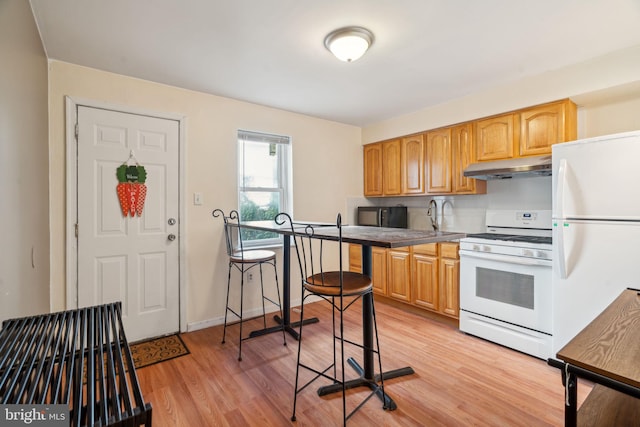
(512, 238)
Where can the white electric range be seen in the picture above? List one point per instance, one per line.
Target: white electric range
(505, 281)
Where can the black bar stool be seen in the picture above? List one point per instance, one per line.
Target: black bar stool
(243, 261)
(341, 289)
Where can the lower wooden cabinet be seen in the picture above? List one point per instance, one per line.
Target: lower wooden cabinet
(355, 258)
(379, 270)
(426, 276)
(379, 266)
(399, 274)
(449, 279)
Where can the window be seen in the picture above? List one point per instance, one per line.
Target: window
(264, 182)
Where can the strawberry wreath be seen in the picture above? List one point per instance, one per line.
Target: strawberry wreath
(131, 188)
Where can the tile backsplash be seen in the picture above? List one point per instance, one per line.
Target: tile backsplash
(465, 213)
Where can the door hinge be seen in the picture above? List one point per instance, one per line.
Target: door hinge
(76, 230)
(76, 131)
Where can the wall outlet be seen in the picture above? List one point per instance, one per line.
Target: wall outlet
(249, 277)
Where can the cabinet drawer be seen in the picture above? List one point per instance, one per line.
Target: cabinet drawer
(449, 250)
(426, 249)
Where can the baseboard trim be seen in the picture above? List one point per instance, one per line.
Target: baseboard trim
(208, 323)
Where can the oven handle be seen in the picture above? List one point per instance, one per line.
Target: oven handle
(506, 258)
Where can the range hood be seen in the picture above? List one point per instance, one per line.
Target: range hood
(510, 168)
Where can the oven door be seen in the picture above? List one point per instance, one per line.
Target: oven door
(508, 288)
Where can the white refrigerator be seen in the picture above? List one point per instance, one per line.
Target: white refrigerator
(596, 228)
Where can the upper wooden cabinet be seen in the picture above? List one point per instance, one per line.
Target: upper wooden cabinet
(433, 162)
(395, 167)
(528, 132)
(391, 167)
(449, 152)
(545, 125)
(463, 153)
(497, 137)
(439, 161)
(373, 169)
(412, 161)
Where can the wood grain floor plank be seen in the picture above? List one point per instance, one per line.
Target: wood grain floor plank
(460, 380)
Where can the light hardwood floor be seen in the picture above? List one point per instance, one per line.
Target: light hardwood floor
(460, 380)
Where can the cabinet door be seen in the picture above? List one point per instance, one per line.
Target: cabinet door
(373, 169)
(463, 153)
(496, 137)
(424, 274)
(391, 167)
(413, 155)
(543, 126)
(355, 258)
(439, 161)
(449, 287)
(379, 270)
(399, 275)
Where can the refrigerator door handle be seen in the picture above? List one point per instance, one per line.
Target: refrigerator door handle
(562, 183)
(562, 260)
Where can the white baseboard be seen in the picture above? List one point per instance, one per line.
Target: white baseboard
(202, 324)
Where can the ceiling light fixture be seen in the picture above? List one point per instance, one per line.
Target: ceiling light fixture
(349, 43)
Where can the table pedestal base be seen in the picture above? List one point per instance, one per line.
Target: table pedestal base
(371, 383)
(291, 328)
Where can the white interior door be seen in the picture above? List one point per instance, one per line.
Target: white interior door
(134, 260)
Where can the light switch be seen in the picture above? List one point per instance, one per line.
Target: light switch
(197, 199)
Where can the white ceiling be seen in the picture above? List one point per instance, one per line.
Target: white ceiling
(271, 52)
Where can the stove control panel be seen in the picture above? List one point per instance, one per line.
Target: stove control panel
(536, 253)
(533, 219)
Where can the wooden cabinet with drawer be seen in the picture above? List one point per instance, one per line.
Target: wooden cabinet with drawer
(378, 265)
(425, 276)
(379, 270)
(436, 277)
(449, 279)
(399, 274)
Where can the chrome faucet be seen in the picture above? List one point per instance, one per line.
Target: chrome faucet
(433, 214)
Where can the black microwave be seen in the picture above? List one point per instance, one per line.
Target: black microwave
(393, 216)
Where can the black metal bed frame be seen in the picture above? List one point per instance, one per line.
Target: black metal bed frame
(79, 358)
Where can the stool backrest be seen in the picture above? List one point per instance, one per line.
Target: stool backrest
(231, 230)
(310, 249)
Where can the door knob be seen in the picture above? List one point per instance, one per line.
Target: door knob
(172, 221)
(171, 237)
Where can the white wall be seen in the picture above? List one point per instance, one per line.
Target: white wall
(327, 169)
(606, 90)
(24, 169)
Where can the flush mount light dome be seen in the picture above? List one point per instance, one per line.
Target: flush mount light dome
(349, 43)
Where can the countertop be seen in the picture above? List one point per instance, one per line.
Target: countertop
(370, 236)
(396, 237)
